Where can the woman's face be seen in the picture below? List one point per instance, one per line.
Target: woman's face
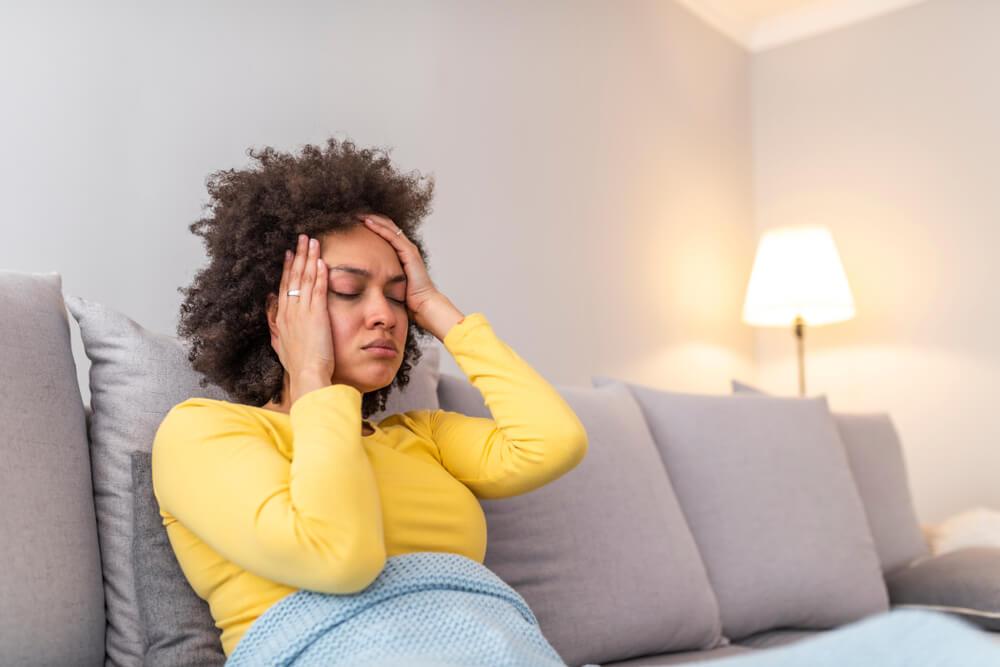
(366, 297)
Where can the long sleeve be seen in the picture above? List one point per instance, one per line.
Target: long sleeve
(534, 436)
(312, 522)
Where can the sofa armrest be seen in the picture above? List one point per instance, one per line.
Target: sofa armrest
(965, 582)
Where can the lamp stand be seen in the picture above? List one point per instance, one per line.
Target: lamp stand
(800, 334)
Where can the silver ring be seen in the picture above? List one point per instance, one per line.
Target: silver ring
(292, 292)
(398, 232)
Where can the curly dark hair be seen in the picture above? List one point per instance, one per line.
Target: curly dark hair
(256, 214)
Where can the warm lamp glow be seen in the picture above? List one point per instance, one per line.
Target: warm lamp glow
(797, 272)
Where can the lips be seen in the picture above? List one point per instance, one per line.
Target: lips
(387, 343)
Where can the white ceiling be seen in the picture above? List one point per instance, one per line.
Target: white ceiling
(764, 24)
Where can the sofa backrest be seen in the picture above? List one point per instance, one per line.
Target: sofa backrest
(53, 593)
(849, 595)
(875, 456)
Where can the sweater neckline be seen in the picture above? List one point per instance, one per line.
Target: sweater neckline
(375, 427)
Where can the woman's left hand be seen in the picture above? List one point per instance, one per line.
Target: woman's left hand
(419, 288)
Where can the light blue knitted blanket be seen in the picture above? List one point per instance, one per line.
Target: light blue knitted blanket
(425, 609)
(896, 638)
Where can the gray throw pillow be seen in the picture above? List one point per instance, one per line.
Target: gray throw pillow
(50, 563)
(136, 377)
(965, 583)
(767, 491)
(178, 627)
(602, 555)
(876, 459)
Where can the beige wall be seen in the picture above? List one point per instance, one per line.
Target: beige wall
(887, 132)
(593, 162)
(592, 158)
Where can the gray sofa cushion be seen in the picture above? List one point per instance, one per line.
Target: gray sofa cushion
(766, 488)
(50, 578)
(682, 657)
(178, 629)
(876, 459)
(965, 583)
(780, 637)
(610, 570)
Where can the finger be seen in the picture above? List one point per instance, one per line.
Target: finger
(295, 279)
(309, 274)
(379, 221)
(286, 267)
(388, 231)
(319, 289)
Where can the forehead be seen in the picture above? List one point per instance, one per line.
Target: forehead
(363, 249)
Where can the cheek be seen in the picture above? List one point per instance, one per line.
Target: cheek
(338, 324)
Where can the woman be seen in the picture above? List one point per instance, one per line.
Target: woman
(308, 314)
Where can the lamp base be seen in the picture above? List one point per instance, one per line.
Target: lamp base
(800, 335)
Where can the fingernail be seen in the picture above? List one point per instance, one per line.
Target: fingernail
(288, 254)
(313, 243)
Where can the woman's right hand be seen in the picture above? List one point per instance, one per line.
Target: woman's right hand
(305, 340)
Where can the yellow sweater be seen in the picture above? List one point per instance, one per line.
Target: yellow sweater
(258, 504)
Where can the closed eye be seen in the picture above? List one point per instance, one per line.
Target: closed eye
(354, 296)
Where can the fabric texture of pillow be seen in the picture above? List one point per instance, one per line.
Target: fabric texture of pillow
(876, 459)
(965, 583)
(603, 555)
(136, 377)
(53, 596)
(767, 491)
(178, 627)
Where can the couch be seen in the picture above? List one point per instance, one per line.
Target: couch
(697, 526)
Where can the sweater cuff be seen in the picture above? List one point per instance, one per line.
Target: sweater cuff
(325, 398)
(458, 332)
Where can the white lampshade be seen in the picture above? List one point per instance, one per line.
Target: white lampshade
(797, 272)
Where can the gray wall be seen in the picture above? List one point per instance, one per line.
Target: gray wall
(592, 158)
(887, 133)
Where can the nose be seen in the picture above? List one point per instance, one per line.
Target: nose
(380, 313)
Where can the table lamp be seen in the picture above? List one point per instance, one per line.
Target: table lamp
(797, 279)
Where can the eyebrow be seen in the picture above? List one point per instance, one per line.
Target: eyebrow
(367, 274)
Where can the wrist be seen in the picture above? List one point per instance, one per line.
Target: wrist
(438, 315)
(304, 383)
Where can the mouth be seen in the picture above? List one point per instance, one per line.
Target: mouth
(383, 343)
(382, 347)
(377, 351)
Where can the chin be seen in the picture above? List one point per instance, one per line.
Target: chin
(369, 379)
(376, 384)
